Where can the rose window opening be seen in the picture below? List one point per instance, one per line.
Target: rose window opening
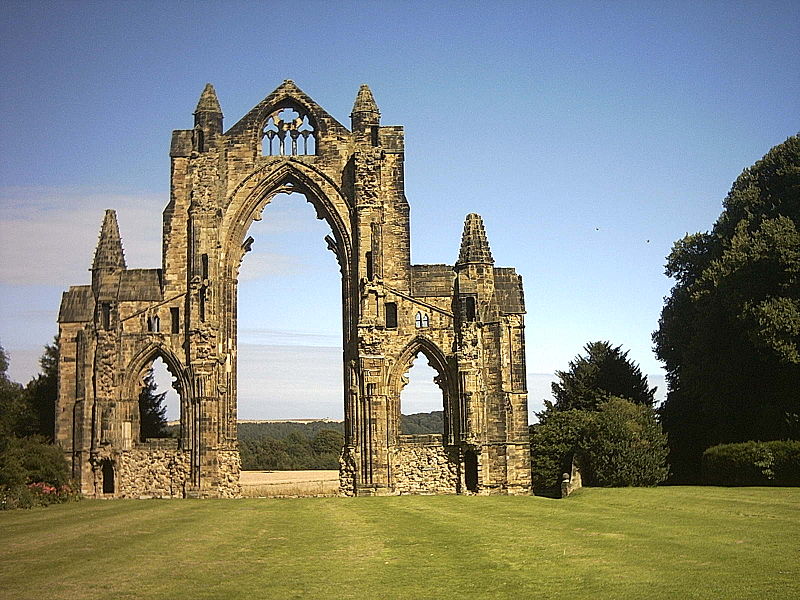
(289, 132)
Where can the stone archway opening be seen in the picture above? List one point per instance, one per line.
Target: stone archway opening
(289, 317)
(421, 399)
(159, 402)
(289, 359)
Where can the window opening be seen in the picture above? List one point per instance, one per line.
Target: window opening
(421, 320)
(470, 308)
(153, 324)
(105, 310)
(159, 403)
(370, 266)
(421, 399)
(204, 266)
(374, 135)
(175, 317)
(288, 132)
(198, 139)
(391, 315)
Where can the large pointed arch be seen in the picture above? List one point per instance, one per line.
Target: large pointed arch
(286, 175)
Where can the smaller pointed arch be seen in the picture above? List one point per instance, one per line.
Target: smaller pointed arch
(445, 379)
(145, 357)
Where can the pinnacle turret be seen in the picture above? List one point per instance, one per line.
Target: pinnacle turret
(365, 101)
(109, 253)
(207, 117)
(474, 245)
(365, 113)
(208, 101)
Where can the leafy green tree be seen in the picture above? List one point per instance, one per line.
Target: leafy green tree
(16, 417)
(152, 410)
(729, 332)
(623, 445)
(604, 372)
(328, 441)
(42, 391)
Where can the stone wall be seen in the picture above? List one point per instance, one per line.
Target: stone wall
(421, 465)
(152, 473)
(347, 473)
(229, 467)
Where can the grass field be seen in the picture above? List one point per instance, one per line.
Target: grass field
(600, 543)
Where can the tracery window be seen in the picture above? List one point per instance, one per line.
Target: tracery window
(289, 132)
(421, 320)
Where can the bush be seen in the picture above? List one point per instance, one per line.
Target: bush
(624, 446)
(753, 463)
(554, 441)
(620, 444)
(33, 473)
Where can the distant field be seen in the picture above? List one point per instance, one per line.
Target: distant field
(258, 484)
(728, 543)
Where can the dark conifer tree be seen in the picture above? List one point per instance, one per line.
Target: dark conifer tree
(604, 372)
(152, 410)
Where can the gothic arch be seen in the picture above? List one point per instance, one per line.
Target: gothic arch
(145, 357)
(289, 175)
(437, 360)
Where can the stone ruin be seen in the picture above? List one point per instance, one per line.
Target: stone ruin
(466, 319)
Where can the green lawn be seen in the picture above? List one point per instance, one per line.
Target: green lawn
(676, 542)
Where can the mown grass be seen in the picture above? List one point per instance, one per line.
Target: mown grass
(603, 543)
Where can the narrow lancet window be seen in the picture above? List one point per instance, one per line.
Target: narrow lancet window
(175, 317)
(370, 266)
(391, 315)
(105, 316)
(421, 320)
(469, 308)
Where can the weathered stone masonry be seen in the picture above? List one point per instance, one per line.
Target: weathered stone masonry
(467, 318)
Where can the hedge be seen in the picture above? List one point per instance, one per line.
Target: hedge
(753, 463)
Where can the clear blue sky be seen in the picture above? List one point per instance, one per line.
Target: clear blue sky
(590, 136)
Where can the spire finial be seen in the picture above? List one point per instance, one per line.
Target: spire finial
(474, 245)
(109, 253)
(208, 101)
(365, 101)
